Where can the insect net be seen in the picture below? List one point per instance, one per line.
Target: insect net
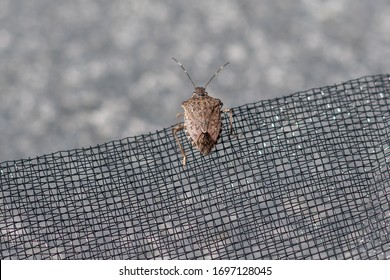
(303, 177)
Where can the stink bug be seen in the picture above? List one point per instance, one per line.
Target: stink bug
(202, 118)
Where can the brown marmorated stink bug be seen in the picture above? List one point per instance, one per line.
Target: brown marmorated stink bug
(202, 118)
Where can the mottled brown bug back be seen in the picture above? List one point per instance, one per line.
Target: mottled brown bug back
(202, 118)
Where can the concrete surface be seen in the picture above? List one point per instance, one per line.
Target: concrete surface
(78, 73)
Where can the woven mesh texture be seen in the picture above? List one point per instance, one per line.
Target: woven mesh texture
(303, 177)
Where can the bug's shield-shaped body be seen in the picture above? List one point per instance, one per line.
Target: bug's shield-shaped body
(202, 119)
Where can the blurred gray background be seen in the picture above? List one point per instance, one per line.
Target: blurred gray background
(78, 73)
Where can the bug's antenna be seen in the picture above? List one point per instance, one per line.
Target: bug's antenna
(216, 73)
(185, 71)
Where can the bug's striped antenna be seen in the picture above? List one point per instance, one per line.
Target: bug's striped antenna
(182, 67)
(216, 73)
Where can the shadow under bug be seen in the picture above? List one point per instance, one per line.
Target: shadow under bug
(202, 118)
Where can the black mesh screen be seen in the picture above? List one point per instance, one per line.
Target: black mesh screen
(303, 177)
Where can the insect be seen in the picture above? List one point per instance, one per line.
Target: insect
(202, 118)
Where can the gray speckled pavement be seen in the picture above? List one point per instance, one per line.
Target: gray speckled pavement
(78, 73)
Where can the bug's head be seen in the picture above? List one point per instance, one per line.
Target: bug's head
(200, 91)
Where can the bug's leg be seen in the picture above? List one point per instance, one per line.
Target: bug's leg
(175, 130)
(178, 116)
(230, 118)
